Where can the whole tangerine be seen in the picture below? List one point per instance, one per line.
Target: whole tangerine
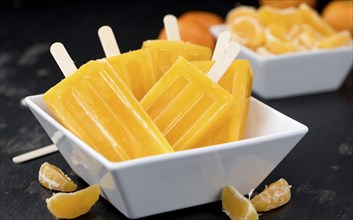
(339, 14)
(194, 27)
(287, 3)
(193, 33)
(203, 18)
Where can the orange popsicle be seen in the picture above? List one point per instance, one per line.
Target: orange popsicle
(237, 80)
(186, 105)
(96, 105)
(135, 68)
(165, 52)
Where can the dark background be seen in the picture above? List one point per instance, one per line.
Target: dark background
(319, 167)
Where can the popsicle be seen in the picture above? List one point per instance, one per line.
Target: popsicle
(166, 52)
(186, 104)
(134, 67)
(237, 80)
(95, 104)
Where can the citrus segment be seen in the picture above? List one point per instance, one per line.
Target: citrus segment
(312, 18)
(248, 31)
(53, 178)
(287, 17)
(273, 196)
(337, 40)
(72, 205)
(236, 206)
(277, 40)
(241, 11)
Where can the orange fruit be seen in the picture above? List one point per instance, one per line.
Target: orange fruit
(277, 40)
(203, 18)
(273, 196)
(248, 31)
(236, 206)
(53, 178)
(340, 39)
(270, 15)
(312, 18)
(72, 205)
(194, 27)
(339, 14)
(241, 11)
(287, 3)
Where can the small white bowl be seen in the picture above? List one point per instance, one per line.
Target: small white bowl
(162, 183)
(296, 74)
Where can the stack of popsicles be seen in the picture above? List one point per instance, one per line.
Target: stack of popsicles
(181, 105)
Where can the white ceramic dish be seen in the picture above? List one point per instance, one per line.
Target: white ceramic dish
(298, 73)
(162, 183)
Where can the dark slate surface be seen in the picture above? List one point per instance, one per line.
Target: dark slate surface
(319, 167)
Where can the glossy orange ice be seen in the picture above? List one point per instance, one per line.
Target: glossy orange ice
(237, 80)
(165, 52)
(185, 104)
(135, 67)
(96, 105)
(136, 70)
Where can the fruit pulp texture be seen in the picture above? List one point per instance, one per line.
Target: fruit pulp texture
(186, 105)
(237, 80)
(165, 53)
(136, 70)
(96, 105)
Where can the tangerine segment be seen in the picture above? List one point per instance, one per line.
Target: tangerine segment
(241, 11)
(72, 205)
(236, 206)
(340, 39)
(277, 41)
(53, 178)
(312, 18)
(248, 31)
(287, 17)
(273, 196)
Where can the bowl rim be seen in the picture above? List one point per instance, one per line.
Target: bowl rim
(216, 29)
(299, 128)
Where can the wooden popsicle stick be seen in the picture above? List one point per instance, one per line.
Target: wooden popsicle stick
(63, 59)
(35, 154)
(108, 41)
(171, 27)
(68, 67)
(221, 45)
(221, 65)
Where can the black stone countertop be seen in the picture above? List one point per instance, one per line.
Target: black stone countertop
(319, 168)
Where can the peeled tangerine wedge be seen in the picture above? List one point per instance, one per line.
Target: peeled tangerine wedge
(273, 196)
(312, 18)
(236, 206)
(248, 31)
(241, 11)
(269, 15)
(72, 205)
(277, 40)
(53, 178)
(340, 39)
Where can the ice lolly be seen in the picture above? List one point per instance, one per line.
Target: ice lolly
(166, 52)
(237, 80)
(96, 105)
(134, 68)
(186, 104)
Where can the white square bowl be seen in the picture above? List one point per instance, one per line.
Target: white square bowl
(162, 183)
(296, 74)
